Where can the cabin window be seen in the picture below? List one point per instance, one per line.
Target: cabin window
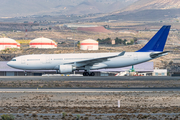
(58, 59)
(33, 59)
(13, 60)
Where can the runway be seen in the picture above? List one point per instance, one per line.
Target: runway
(86, 90)
(84, 78)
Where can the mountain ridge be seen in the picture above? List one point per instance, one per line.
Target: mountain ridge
(147, 10)
(18, 8)
(153, 4)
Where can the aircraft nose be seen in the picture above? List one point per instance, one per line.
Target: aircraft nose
(9, 63)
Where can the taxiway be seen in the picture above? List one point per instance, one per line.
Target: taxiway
(80, 78)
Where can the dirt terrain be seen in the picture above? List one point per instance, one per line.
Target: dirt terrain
(57, 105)
(91, 105)
(89, 84)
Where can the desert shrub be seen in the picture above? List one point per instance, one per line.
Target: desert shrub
(34, 115)
(7, 117)
(63, 115)
(78, 117)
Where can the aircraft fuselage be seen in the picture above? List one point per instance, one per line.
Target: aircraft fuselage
(52, 61)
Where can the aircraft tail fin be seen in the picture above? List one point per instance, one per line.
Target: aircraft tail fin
(158, 41)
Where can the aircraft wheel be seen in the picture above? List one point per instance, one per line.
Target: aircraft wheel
(92, 74)
(85, 74)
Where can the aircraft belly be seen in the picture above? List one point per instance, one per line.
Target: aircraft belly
(118, 62)
(38, 66)
(98, 66)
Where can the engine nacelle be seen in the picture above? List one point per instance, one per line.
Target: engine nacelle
(66, 68)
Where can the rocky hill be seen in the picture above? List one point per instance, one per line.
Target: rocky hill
(153, 4)
(143, 10)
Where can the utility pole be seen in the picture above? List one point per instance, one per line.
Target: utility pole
(73, 37)
(74, 44)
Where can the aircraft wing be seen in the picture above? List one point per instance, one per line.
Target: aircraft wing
(90, 62)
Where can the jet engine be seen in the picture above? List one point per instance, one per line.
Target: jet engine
(66, 68)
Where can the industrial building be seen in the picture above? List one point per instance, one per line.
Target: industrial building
(88, 28)
(8, 43)
(144, 68)
(79, 25)
(160, 72)
(42, 43)
(89, 44)
(94, 29)
(142, 41)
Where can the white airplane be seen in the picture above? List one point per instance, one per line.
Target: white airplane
(67, 63)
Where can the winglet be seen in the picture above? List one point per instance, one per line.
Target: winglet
(157, 42)
(122, 53)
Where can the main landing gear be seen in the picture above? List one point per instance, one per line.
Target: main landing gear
(88, 74)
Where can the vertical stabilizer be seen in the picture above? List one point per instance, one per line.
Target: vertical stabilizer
(158, 41)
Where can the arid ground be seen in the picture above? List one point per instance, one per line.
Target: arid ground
(88, 105)
(91, 105)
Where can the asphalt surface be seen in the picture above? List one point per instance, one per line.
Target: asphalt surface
(84, 78)
(86, 90)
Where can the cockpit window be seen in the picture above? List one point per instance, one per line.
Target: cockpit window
(13, 60)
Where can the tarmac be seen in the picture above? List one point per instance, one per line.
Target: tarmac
(84, 78)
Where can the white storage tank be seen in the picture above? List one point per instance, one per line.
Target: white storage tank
(8, 43)
(42, 43)
(89, 44)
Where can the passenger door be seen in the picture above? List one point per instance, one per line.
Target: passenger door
(45, 59)
(23, 60)
(135, 55)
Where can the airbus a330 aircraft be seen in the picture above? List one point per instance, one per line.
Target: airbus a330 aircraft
(67, 63)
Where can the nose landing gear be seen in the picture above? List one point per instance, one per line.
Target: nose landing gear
(25, 73)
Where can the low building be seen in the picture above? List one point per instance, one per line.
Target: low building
(142, 41)
(113, 42)
(42, 43)
(94, 29)
(146, 67)
(8, 43)
(89, 44)
(160, 72)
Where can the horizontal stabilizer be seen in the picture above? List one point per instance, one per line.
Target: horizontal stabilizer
(155, 55)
